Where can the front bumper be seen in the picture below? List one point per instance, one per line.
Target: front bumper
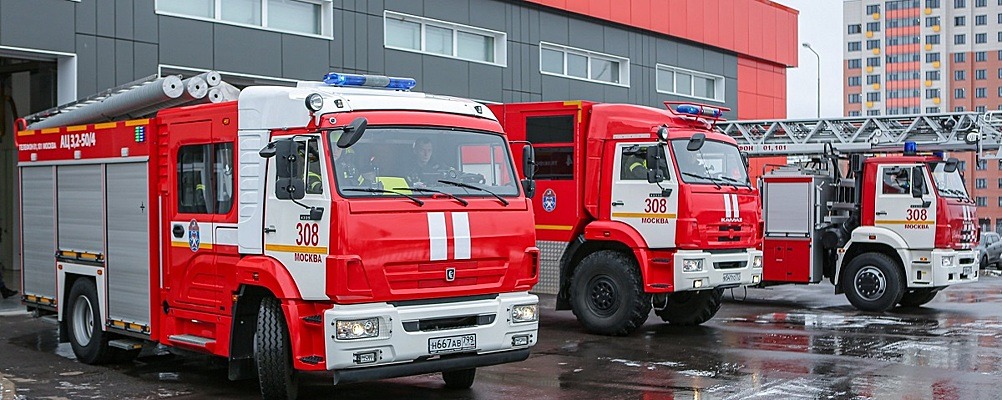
(399, 351)
(718, 271)
(963, 269)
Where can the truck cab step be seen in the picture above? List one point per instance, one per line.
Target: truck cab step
(126, 344)
(192, 340)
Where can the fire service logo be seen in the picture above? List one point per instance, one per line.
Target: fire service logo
(194, 238)
(450, 274)
(549, 200)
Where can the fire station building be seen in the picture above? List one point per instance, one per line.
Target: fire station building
(630, 51)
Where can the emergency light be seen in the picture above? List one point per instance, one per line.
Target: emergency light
(911, 148)
(380, 81)
(699, 110)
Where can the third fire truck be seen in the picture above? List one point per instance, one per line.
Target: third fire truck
(637, 208)
(864, 208)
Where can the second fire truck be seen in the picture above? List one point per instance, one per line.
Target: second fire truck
(637, 208)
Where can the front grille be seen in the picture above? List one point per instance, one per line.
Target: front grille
(730, 264)
(438, 324)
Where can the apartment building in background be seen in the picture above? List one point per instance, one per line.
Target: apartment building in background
(929, 56)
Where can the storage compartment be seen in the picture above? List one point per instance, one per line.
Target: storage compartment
(787, 260)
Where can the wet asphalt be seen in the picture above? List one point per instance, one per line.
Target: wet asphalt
(783, 342)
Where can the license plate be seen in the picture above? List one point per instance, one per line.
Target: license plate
(968, 270)
(732, 277)
(451, 344)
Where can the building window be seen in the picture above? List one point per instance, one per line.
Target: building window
(445, 39)
(932, 75)
(853, 63)
(958, 93)
(872, 44)
(981, 20)
(980, 74)
(872, 9)
(854, 46)
(586, 65)
(980, 93)
(980, 109)
(312, 17)
(958, 109)
(933, 3)
(873, 96)
(959, 57)
(931, 93)
(873, 113)
(854, 81)
(959, 75)
(981, 165)
(873, 26)
(932, 39)
(854, 98)
(981, 38)
(1000, 179)
(932, 110)
(204, 179)
(959, 21)
(959, 39)
(853, 113)
(980, 3)
(855, 28)
(931, 22)
(981, 201)
(672, 80)
(981, 183)
(959, 3)
(931, 57)
(1000, 32)
(872, 79)
(980, 56)
(873, 61)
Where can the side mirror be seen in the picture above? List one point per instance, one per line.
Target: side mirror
(745, 160)
(286, 161)
(951, 165)
(696, 142)
(528, 161)
(655, 158)
(268, 151)
(529, 186)
(290, 189)
(352, 132)
(918, 182)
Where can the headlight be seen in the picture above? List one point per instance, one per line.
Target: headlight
(357, 329)
(948, 261)
(756, 262)
(314, 102)
(524, 313)
(692, 265)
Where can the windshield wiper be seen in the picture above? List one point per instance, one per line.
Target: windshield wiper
(733, 182)
(426, 190)
(469, 186)
(374, 190)
(707, 177)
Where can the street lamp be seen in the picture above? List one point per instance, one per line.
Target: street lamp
(808, 46)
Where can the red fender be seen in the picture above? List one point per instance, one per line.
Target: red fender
(269, 273)
(655, 267)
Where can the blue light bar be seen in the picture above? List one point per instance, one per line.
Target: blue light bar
(380, 81)
(699, 110)
(911, 148)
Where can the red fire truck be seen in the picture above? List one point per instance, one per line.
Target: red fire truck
(641, 208)
(886, 227)
(286, 232)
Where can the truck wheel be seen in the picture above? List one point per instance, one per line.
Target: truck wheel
(607, 294)
(917, 297)
(89, 342)
(873, 282)
(273, 353)
(984, 262)
(459, 379)
(691, 308)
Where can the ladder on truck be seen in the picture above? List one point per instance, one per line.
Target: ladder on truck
(963, 131)
(138, 99)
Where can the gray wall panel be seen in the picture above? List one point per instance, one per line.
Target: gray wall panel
(128, 243)
(105, 62)
(362, 50)
(485, 82)
(375, 7)
(22, 25)
(145, 27)
(145, 59)
(552, 28)
(376, 61)
(86, 17)
(304, 57)
(731, 66)
(445, 76)
(448, 10)
(106, 18)
(587, 35)
(485, 14)
(124, 62)
(80, 207)
(86, 65)
(124, 19)
(349, 41)
(413, 7)
(403, 63)
(186, 42)
(713, 62)
(39, 266)
(690, 57)
(250, 55)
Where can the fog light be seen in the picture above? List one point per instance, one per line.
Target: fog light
(314, 102)
(357, 329)
(524, 313)
(948, 261)
(697, 284)
(756, 262)
(521, 340)
(756, 279)
(367, 357)
(692, 265)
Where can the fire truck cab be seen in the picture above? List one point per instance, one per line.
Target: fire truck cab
(290, 231)
(640, 208)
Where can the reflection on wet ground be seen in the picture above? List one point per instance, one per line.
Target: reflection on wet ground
(777, 343)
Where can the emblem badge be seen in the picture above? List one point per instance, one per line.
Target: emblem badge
(450, 274)
(194, 238)
(549, 200)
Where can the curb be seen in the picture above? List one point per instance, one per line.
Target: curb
(7, 389)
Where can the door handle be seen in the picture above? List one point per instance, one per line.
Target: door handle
(270, 229)
(618, 203)
(178, 231)
(881, 213)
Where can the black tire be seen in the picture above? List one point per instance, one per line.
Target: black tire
(459, 379)
(607, 294)
(83, 321)
(691, 308)
(917, 297)
(273, 353)
(873, 282)
(984, 262)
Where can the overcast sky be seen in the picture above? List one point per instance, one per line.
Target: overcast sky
(820, 24)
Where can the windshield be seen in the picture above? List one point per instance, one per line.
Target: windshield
(423, 162)
(714, 163)
(949, 184)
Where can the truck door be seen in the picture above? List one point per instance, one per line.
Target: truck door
(200, 196)
(895, 208)
(299, 243)
(650, 209)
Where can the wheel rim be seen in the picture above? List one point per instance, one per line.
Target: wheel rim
(603, 295)
(870, 283)
(83, 320)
